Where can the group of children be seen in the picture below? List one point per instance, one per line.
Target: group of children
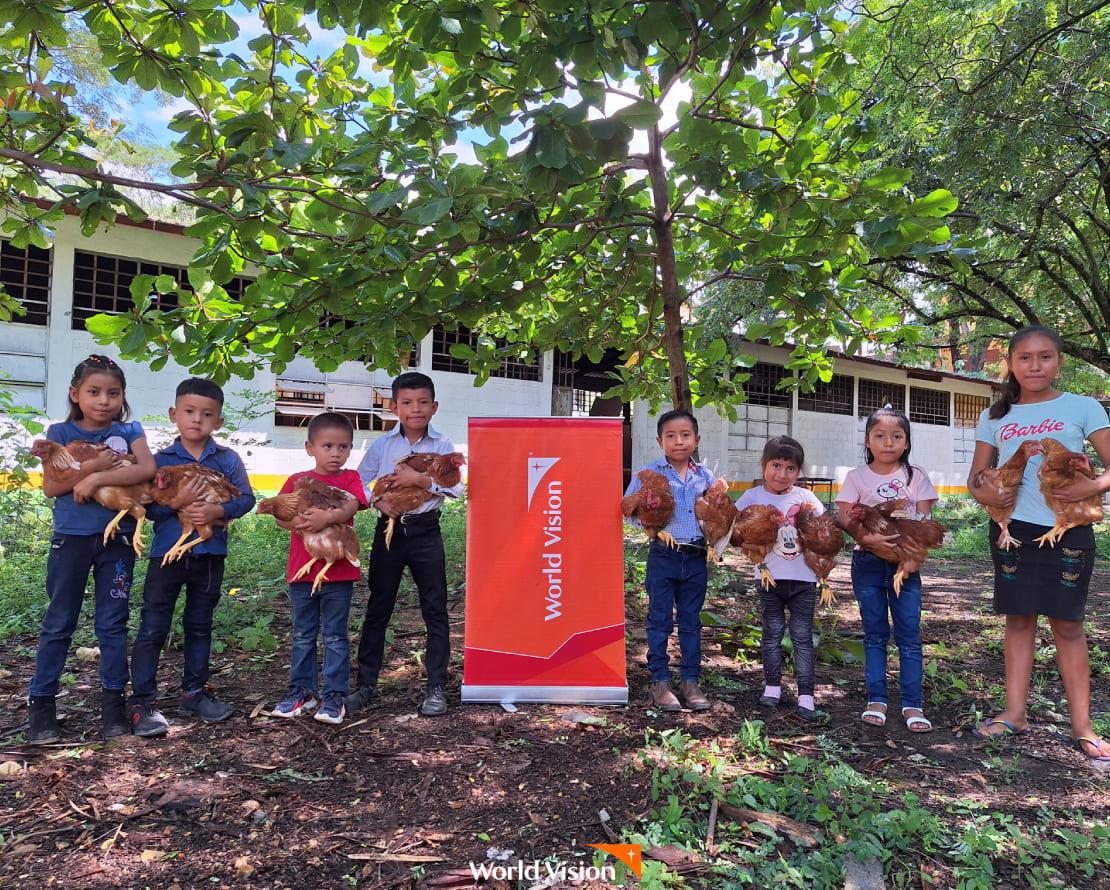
(99, 413)
(1030, 583)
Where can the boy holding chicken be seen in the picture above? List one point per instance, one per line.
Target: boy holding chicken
(415, 542)
(197, 414)
(676, 567)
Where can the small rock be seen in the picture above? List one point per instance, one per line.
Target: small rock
(10, 768)
(866, 875)
(917, 758)
(88, 653)
(722, 707)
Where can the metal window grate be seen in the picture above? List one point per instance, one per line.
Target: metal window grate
(834, 397)
(760, 387)
(25, 274)
(102, 283)
(874, 394)
(514, 368)
(968, 408)
(583, 401)
(930, 406)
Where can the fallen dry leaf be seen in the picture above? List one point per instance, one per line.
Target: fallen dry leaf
(10, 769)
(243, 867)
(537, 819)
(150, 855)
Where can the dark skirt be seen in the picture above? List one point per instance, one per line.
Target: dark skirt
(1051, 581)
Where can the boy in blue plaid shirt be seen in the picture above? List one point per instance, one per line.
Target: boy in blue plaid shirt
(676, 577)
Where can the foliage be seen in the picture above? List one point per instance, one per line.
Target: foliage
(1007, 105)
(628, 156)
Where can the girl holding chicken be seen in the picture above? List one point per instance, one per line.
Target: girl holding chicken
(1046, 567)
(98, 414)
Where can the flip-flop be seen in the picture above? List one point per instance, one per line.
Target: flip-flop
(1099, 745)
(871, 712)
(982, 731)
(917, 720)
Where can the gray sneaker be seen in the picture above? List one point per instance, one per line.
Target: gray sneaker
(360, 698)
(435, 702)
(205, 705)
(147, 721)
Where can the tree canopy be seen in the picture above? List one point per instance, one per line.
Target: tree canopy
(626, 156)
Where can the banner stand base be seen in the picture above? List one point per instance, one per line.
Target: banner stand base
(556, 695)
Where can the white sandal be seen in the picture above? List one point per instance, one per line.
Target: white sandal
(917, 720)
(871, 712)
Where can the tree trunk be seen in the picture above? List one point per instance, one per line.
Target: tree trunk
(674, 341)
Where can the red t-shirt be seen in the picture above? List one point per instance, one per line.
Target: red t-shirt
(348, 480)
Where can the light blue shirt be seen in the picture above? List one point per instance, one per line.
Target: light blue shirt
(683, 526)
(383, 454)
(1068, 418)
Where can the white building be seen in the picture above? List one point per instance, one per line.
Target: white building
(82, 276)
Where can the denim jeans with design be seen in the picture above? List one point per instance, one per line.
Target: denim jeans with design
(879, 605)
(71, 559)
(676, 582)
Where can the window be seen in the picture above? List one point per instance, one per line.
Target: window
(968, 408)
(301, 392)
(514, 368)
(25, 274)
(583, 401)
(298, 401)
(929, 406)
(760, 387)
(874, 394)
(834, 397)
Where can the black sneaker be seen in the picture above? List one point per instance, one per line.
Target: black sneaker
(360, 698)
(435, 702)
(205, 705)
(42, 716)
(147, 721)
(113, 714)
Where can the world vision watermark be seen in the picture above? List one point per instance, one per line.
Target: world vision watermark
(546, 870)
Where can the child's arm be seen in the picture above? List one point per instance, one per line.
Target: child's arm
(53, 487)
(238, 477)
(316, 520)
(925, 508)
(1082, 489)
(987, 495)
(142, 470)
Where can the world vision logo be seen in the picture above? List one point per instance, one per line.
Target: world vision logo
(629, 854)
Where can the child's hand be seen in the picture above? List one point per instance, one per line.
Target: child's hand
(388, 509)
(989, 496)
(189, 493)
(312, 520)
(104, 460)
(83, 490)
(406, 475)
(203, 513)
(875, 540)
(1079, 490)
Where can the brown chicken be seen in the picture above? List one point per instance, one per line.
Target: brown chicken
(62, 464)
(330, 544)
(755, 532)
(652, 505)
(821, 540)
(444, 469)
(217, 490)
(1005, 479)
(916, 537)
(1062, 467)
(715, 512)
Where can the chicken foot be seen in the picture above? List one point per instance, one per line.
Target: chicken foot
(766, 580)
(137, 543)
(1005, 540)
(319, 579)
(826, 598)
(390, 527)
(667, 539)
(303, 570)
(1053, 535)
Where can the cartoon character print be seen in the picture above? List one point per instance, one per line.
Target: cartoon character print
(786, 546)
(892, 490)
(117, 443)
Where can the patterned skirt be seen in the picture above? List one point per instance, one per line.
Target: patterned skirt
(1051, 581)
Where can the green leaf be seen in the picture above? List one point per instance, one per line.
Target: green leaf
(939, 202)
(640, 115)
(889, 180)
(429, 212)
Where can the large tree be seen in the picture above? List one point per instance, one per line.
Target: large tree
(629, 155)
(1007, 104)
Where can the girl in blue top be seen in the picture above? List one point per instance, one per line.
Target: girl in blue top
(1029, 580)
(98, 413)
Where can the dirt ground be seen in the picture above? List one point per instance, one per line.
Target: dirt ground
(394, 800)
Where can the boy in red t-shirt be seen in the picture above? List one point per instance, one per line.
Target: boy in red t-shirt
(330, 438)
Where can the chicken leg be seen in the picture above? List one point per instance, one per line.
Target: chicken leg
(1005, 540)
(390, 527)
(827, 598)
(319, 579)
(111, 528)
(766, 580)
(1053, 535)
(137, 538)
(172, 554)
(667, 539)
(303, 570)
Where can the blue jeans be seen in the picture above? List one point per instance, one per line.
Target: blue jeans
(71, 559)
(873, 581)
(324, 612)
(675, 584)
(201, 576)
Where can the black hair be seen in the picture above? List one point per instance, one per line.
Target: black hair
(784, 448)
(414, 380)
(903, 422)
(676, 414)
(1011, 389)
(327, 420)
(200, 386)
(96, 364)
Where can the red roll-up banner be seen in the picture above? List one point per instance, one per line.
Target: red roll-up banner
(544, 562)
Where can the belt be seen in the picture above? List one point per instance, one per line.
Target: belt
(419, 518)
(698, 546)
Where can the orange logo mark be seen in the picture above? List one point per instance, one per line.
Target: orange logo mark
(629, 854)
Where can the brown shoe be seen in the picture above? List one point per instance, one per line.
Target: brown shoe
(663, 697)
(693, 696)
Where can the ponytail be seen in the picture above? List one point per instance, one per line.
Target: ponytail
(1011, 389)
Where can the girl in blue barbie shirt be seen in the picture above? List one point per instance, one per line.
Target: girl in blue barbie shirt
(98, 413)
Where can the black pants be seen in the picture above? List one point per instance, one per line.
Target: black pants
(201, 576)
(417, 544)
(800, 597)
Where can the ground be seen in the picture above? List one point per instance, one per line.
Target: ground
(394, 800)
